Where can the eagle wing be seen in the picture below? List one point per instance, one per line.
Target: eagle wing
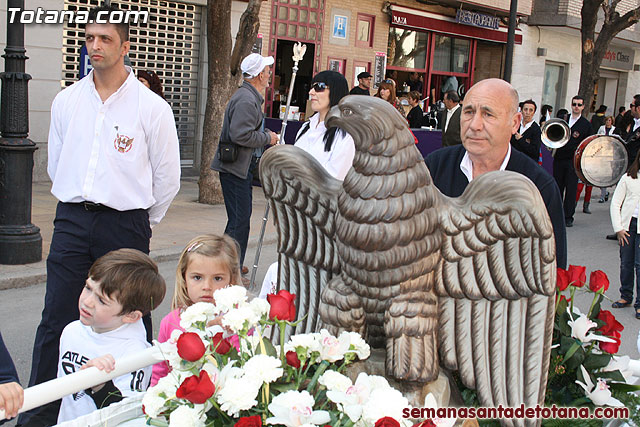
(496, 288)
(304, 201)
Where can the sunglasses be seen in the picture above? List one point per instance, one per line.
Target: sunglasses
(319, 86)
(575, 104)
(389, 81)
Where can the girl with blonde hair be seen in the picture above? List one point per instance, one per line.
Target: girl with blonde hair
(207, 263)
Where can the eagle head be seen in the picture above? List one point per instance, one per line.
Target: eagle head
(372, 123)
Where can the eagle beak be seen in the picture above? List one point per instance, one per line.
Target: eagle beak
(333, 117)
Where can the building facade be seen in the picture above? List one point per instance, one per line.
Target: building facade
(445, 44)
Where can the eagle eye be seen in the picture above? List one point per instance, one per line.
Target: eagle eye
(347, 112)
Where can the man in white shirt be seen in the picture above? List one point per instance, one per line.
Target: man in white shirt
(450, 120)
(115, 166)
(528, 138)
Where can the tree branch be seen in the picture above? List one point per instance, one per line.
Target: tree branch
(247, 32)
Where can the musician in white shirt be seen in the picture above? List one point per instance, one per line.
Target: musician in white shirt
(115, 166)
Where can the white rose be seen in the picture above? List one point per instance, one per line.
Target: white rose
(153, 404)
(385, 403)
(357, 344)
(309, 343)
(228, 298)
(335, 381)
(238, 394)
(198, 312)
(239, 319)
(260, 307)
(185, 416)
(263, 368)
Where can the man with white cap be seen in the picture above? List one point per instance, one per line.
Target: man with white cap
(242, 135)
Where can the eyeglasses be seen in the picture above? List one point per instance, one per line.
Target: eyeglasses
(575, 104)
(319, 86)
(389, 81)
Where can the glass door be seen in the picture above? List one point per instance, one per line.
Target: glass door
(553, 86)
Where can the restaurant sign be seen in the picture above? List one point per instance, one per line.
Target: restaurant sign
(477, 19)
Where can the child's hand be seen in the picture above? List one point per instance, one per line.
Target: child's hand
(11, 399)
(216, 321)
(105, 363)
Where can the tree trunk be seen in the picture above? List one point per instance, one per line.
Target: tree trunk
(223, 79)
(593, 49)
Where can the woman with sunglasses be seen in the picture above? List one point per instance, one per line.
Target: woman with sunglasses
(387, 91)
(332, 148)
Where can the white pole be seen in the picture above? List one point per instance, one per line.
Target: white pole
(50, 391)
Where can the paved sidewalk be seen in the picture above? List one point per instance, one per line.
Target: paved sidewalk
(185, 219)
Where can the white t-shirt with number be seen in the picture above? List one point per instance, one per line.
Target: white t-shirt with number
(79, 344)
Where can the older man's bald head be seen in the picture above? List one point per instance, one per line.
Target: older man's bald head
(499, 86)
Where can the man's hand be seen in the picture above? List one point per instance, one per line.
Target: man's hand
(622, 237)
(274, 138)
(517, 135)
(11, 399)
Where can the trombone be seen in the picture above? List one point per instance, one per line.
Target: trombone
(555, 133)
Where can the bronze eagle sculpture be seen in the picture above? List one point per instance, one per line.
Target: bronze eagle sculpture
(384, 253)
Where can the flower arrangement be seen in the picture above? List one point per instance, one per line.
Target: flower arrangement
(233, 376)
(583, 370)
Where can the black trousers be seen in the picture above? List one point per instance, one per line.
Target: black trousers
(79, 238)
(567, 180)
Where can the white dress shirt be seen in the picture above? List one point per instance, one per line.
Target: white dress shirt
(122, 153)
(636, 124)
(466, 166)
(449, 114)
(524, 127)
(573, 120)
(336, 162)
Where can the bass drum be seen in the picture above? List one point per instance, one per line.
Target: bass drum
(601, 160)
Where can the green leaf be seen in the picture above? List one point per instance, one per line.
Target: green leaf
(572, 350)
(613, 375)
(596, 361)
(270, 349)
(624, 387)
(283, 387)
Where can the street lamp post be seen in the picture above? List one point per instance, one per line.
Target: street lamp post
(20, 240)
(511, 38)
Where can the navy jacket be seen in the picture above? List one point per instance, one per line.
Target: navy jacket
(579, 131)
(7, 369)
(444, 165)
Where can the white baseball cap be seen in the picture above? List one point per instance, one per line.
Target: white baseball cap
(255, 63)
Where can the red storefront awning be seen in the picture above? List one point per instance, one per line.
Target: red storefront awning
(427, 21)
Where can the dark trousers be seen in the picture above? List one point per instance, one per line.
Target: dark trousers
(630, 264)
(238, 201)
(79, 238)
(567, 180)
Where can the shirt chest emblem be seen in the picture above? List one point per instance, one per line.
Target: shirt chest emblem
(123, 143)
(576, 134)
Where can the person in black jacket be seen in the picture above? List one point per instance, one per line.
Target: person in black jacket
(528, 138)
(415, 116)
(489, 117)
(563, 170)
(632, 140)
(11, 394)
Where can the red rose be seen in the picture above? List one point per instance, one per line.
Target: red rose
(196, 389)
(292, 359)
(611, 347)
(282, 306)
(426, 423)
(387, 422)
(222, 345)
(562, 279)
(254, 421)
(190, 346)
(610, 323)
(577, 275)
(598, 280)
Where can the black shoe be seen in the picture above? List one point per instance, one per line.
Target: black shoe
(569, 222)
(585, 208)
(612, 237)
(602, 200)
(606, 196)
(621, 304)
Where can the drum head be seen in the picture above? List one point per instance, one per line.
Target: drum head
(602, 161)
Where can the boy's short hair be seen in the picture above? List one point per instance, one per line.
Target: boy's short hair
(106, 13)
(415, 95)
(131, 278)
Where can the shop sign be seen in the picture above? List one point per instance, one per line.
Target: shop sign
(477, 19)
(619, 58)
(378, 68)
(257, 46)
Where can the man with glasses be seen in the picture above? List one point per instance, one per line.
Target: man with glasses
(563, 170)
(242, 135)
